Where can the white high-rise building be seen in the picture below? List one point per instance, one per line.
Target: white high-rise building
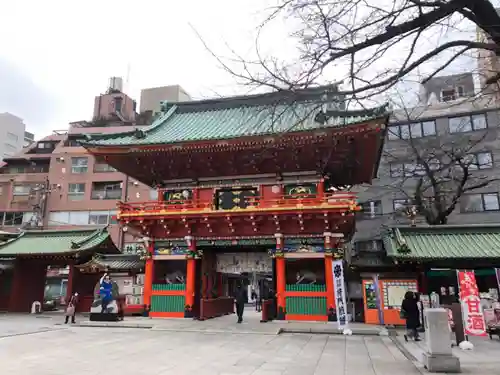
(12, 135)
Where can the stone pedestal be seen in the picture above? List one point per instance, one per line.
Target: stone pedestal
(441, 363)
(438, 356)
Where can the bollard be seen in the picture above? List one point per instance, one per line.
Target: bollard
(438, 356)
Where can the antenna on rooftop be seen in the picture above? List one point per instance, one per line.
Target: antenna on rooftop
(127, 78)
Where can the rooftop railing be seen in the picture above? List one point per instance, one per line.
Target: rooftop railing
(286, 202)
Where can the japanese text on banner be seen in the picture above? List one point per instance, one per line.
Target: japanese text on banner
(472, 311)
(340, 297)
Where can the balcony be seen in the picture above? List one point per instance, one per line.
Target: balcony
(190, 207)
(106, 194)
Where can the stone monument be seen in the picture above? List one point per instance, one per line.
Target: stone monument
(439, 357)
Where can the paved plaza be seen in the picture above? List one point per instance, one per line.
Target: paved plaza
(37, 346)
(42, 346)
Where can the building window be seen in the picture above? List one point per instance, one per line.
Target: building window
(72, 143)
(69, 218)
(464, 124)
(15, 169)
(82, 218)
(370, 209)
(413, 130)
(12, 137)
(99, 217)
(76, 192)
(12, 219)
(103, 167)
(400, 204)
(118, 101)
(79, 165)
(480, 202)
(406, 170)
(46, 145)
(106, 190)
(21, 190)
(480, 160)
(448, 95)
(368, 246)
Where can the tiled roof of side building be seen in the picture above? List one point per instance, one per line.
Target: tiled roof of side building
(243, 116)
(57, 242)
(116, 261)
(443, 242)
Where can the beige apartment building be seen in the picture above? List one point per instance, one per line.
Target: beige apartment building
(54, 183)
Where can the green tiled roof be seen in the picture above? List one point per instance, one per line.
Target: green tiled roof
(443, 242)
(228, 118)
(55, 242)
(117, 261)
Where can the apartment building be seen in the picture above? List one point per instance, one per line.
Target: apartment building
(55, 183)
(12, 135)
(488, 65)
(449, 115)
(151, 98)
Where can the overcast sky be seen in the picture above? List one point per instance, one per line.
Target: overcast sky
(55, 55)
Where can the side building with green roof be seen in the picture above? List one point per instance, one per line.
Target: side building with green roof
(24, 259)
(433, 254)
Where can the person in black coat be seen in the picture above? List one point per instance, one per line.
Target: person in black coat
(410, 312)
(240, 298)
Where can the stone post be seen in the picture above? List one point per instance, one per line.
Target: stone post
(438, 356)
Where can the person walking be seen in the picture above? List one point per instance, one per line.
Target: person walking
(71, 309)
(240, 299)
(410, 312)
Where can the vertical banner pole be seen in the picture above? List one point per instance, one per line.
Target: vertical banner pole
(339, 286)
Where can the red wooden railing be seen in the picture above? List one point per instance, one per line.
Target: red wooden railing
(212, 308)
(331, 199)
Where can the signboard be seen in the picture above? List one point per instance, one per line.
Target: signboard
(340, 298)
(237, 263)
(472, 310)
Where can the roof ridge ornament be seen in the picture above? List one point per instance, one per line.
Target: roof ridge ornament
(139, 133)
(403, 247)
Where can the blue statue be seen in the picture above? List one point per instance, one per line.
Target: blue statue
(105, 292)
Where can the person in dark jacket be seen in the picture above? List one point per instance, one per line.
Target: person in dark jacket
(411, 314)
(240, 298)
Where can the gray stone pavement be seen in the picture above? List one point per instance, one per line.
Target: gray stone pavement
(484, 359)
(79, 351)
(227, 324)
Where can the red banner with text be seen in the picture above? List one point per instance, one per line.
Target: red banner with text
(472, 311)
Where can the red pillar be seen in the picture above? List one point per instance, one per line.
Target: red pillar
(190, 278)
(321, 188)
(16, 287)
(149, 276)
(330, 290)
(280, 278)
